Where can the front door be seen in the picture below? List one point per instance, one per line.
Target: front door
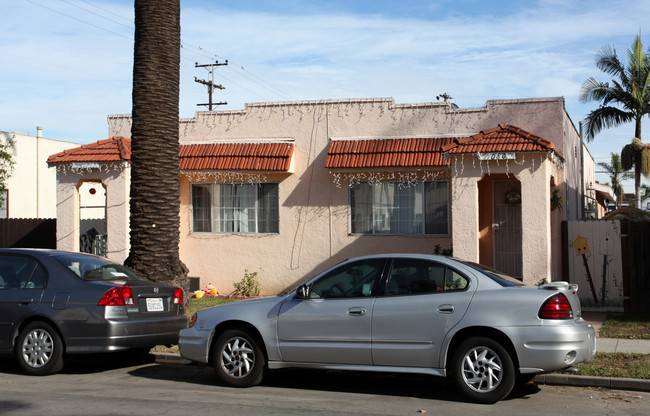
(506, 227)
(334, 324)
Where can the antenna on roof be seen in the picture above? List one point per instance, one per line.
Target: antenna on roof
(446, 97)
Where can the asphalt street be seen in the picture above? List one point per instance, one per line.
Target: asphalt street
(112, 387)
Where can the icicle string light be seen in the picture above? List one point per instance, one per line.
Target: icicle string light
(403, 179)
(224, 177)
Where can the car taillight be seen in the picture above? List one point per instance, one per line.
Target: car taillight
(556, 307)
(178, 296)
(117, 296)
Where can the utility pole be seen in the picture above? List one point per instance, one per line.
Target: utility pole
(210, 84)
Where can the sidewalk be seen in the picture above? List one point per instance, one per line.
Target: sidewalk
(596, 319)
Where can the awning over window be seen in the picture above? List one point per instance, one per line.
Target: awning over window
(237, 156)
(429, 152)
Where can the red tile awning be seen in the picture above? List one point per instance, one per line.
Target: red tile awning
(274, 156)
(429, 152)
(503, 138)
(373, 153)
(237, 156)
(115, 149)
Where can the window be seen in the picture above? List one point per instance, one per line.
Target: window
(21, 272)
(392, 208)
(351, 280)
(412, 276)
(235, 208)
(93, 268)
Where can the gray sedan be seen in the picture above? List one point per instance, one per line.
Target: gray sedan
(54, 303)
(400, 313)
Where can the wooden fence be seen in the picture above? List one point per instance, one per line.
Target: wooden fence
(28, 232)
(609, 260)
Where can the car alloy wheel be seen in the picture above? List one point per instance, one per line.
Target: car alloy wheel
(483, 370)
(39, 349)
(238, 360)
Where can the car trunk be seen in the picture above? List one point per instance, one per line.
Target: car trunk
(151, 299)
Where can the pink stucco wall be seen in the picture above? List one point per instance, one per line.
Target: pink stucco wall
(314, 217)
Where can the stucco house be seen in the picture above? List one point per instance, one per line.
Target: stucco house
(31, 189)
(287, 188)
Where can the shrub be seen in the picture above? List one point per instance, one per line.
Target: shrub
(248, 286)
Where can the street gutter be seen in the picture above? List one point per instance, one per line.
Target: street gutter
(554, 379)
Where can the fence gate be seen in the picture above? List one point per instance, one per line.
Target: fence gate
(594, 258)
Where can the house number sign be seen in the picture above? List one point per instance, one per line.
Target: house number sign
(497, 156)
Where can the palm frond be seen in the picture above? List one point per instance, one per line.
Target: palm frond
(604, 117)
(608, 62)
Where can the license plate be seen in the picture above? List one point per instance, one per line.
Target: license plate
(155, 305)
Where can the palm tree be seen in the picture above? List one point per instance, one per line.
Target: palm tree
(616, 175)
(155, 185)
(637, 155)
(626, 99)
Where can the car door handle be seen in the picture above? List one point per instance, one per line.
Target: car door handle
(446, 308)
(25, 301)
(357, 311)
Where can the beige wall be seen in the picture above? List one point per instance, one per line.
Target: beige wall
(115, 178)
(32, 186)
(314, 218)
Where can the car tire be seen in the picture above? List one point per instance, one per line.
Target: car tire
(39, 349)
(238, 359)
(483, 370)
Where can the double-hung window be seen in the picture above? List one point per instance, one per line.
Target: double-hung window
(395, 208)
(235, 208)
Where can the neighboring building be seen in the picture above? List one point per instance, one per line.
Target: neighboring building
(598, 197)
(285, 189)
(31, 189)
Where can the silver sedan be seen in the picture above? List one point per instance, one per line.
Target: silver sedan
(400, 313)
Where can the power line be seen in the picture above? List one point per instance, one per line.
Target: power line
(196, 50)
(80, 20)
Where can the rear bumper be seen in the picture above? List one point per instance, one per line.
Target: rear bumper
(122, 334)
(553, 346)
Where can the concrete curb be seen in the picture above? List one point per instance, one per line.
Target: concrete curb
(614, 383)
(555, 379)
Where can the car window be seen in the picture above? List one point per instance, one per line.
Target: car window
(94, 268)
(415, 276)
(21, 272)
(455, 281)
(497, 276)
(356, 279)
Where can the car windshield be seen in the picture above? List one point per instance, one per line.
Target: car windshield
(94, 268)
(497, 276)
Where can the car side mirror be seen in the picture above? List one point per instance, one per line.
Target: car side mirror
(303, 292)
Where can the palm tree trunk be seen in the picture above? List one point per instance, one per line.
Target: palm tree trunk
(637, 180)
(637, 165)
(155, 186)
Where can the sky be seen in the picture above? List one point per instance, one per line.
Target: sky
(68, 63)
